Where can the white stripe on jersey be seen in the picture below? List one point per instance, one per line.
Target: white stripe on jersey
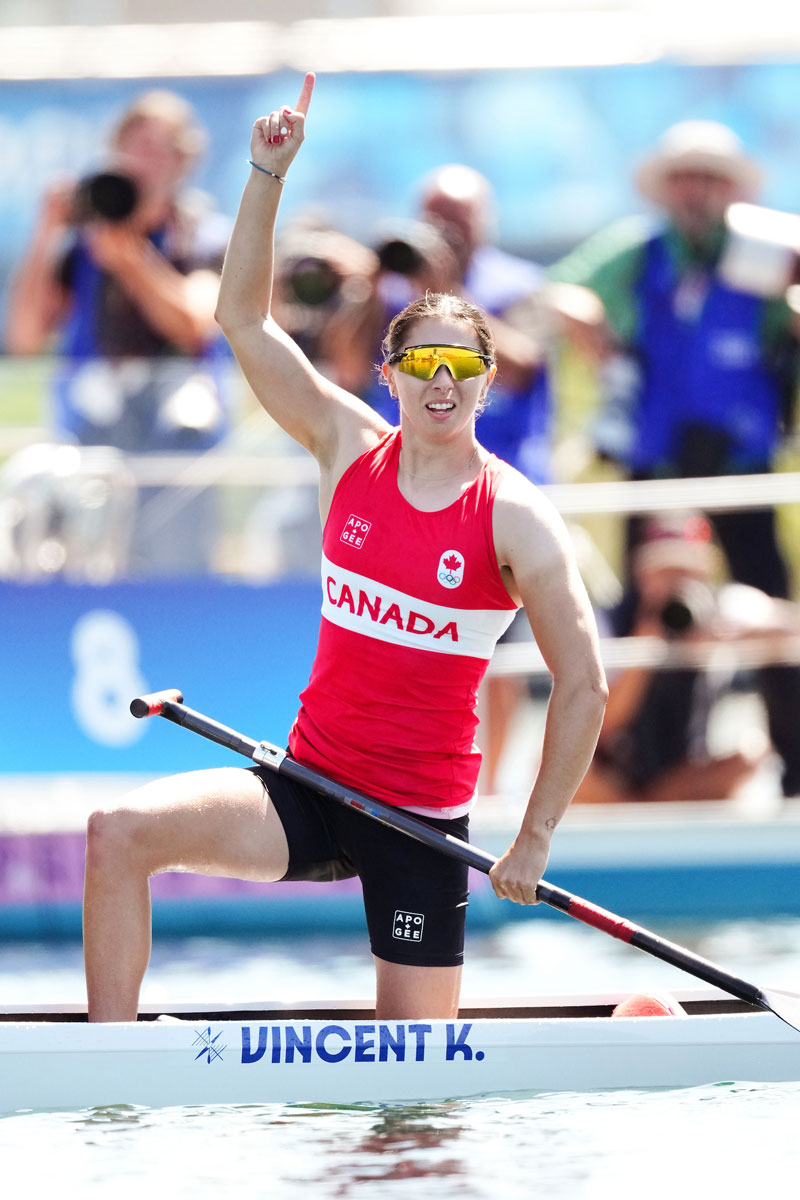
(357, 603)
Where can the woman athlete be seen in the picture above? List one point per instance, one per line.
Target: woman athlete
(430, 546)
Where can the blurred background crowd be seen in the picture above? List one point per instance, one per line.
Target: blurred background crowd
(627, 217)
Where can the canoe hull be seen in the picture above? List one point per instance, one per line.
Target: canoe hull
(341, 1060)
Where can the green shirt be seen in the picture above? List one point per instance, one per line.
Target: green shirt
(610, 263)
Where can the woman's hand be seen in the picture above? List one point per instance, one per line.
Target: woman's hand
(277, 138)
(515, 876)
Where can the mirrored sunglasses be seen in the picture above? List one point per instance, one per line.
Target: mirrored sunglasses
(424, 361)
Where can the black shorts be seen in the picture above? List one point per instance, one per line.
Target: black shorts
(415, 898)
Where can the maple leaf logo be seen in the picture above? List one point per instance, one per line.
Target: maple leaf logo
(450, 571)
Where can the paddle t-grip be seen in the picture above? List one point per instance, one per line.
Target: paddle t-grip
(153, 705)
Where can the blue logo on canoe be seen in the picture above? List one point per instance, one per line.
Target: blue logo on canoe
(209, 1047)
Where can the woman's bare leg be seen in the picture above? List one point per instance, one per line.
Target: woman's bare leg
(218, 822)
(408, 993)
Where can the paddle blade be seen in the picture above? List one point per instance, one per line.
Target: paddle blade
(785, 1005)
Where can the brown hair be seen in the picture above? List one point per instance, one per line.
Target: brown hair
(446, 307)
(171, 110)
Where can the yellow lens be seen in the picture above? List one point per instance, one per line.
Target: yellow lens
(422, 364)
(466, 364)
(424, 361)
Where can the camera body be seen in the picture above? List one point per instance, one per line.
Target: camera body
(107, 195)
(762, 250)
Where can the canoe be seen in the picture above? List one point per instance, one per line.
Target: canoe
(340, 1054)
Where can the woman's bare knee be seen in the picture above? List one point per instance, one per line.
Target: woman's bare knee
(216, 822)
(113, 839)
(125, 833)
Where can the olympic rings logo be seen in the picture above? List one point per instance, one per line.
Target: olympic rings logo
(450, 571)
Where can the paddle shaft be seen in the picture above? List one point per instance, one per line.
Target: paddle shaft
(170, 706)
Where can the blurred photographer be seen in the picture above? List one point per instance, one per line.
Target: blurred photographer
(701, 334)
(407, 259)
(698, 341)
(319, 273)
(123, 267)
(654, 741)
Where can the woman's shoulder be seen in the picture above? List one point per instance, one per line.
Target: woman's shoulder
(358, 442)
(526, 522)
(517, 494)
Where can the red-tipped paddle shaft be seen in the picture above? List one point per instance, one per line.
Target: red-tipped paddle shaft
(168, 704)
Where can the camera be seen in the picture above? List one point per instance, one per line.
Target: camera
(312, 281)
(410, 247)
(316, 265)
(762, 250)
(108, 195)
(688, 609)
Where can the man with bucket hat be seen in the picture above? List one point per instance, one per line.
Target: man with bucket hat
(701, 147)
(699, 364)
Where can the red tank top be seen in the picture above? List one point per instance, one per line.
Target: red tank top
(412, 606)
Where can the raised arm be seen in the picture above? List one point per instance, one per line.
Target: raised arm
(535, 552)
(328, 421)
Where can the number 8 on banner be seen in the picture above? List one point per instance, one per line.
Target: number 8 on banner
(105, 651)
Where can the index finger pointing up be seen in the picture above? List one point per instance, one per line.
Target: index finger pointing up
(306, 93)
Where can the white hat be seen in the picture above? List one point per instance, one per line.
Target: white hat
(698, 146)
(679, 540)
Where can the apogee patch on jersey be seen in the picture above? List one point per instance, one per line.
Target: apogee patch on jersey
(354, 602)
(355, 531)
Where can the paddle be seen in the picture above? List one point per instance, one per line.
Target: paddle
(169, 704)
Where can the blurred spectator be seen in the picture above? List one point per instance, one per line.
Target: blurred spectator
(124, 266)
(67, 511)
(654, 743)
(700, 372)
(516, 424)
(318, 272)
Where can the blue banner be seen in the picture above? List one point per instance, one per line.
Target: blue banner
(75, 656)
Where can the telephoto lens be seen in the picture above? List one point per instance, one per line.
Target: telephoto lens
(409, 247)
(313, 281)
(400, 257)
(677, 616)
(691, 607)
(108, 195)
